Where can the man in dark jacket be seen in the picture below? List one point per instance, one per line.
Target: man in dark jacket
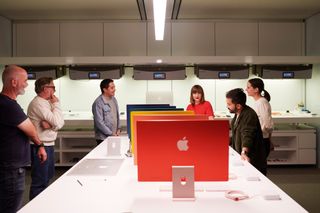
(247, 137)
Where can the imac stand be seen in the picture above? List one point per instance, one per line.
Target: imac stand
(183, 183)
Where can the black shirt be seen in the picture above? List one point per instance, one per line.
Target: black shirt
(14, 143)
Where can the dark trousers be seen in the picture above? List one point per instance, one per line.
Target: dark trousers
(266, 143)
(41, 173)
(12, 183)
(266, 147)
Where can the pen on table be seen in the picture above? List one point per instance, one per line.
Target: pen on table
(79, 182)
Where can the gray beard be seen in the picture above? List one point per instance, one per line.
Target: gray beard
(21, 92)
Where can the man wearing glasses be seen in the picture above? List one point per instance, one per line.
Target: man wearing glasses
(45, 113)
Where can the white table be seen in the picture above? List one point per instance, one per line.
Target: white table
(123, 193)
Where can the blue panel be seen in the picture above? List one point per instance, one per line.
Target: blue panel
(147, 107)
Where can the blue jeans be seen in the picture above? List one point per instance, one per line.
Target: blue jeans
(41, 173)
(12, 183)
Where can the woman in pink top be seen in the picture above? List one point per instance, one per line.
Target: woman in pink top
(198, 104)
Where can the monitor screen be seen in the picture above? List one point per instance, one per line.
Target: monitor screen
(224, 75)
(288, 75)
(203, 144)
(159, 75)
(94, 75)
(31, 75)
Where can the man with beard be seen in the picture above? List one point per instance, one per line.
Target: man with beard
(247, 137)
(15, 131)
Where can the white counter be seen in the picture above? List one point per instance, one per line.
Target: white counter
(123, 193)
(84, 118)
(283, 117)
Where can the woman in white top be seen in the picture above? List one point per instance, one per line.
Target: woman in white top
(255, 88)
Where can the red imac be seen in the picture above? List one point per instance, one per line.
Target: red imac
(140, 117)
(203, 144)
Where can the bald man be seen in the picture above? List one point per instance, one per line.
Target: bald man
(15, 131)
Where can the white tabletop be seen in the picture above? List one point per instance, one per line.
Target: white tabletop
(123, 193)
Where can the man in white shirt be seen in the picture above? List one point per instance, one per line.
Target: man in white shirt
(45, 113)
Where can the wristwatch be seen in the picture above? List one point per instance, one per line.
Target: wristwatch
(40, 145)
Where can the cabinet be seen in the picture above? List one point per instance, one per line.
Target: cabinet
(159, 48)
(281, 39)
(36, 39)
(182, 38)
(72, 146)
(293, 144)
(236, 39)
(192, 38)
(125, 39)
(81, 39)
(313, 35)
(5, 37)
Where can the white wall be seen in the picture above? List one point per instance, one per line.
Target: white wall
(313, 48)
(313, 35)
(78, 95)
(313, 101)
(5, 37)
(312, 90)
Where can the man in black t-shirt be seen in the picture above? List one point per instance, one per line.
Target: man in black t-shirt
(15, 131)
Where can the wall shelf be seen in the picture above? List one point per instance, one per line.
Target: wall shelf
(294, 144)
(72, 146)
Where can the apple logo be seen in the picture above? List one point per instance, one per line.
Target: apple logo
(183, 180)
(183, 144)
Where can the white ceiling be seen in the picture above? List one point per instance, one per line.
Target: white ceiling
(128, 9)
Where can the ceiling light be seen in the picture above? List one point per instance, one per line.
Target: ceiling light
(159, 61)
(159, 12)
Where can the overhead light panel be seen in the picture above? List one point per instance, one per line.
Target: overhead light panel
(159, 12)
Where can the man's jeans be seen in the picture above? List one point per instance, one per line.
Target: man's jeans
(12, 183)
(41, 173)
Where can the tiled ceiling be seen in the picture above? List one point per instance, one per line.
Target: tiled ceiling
(128, 9)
